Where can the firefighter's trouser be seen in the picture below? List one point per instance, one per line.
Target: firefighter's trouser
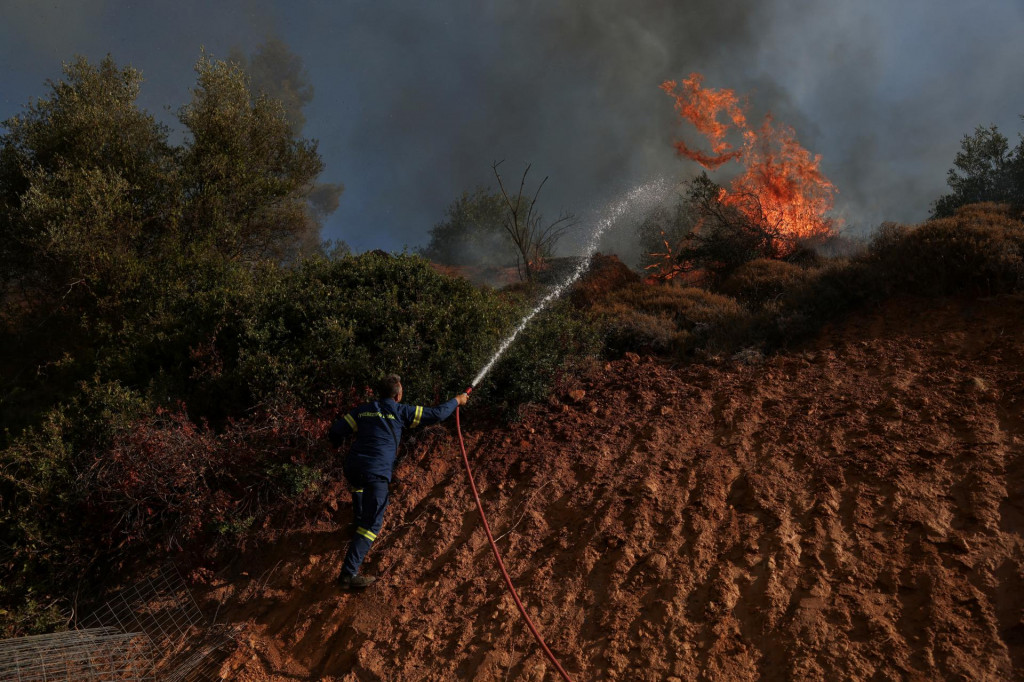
(369, 499)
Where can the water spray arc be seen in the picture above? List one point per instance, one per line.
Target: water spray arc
(641, 195)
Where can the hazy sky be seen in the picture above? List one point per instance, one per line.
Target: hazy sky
(415, 100)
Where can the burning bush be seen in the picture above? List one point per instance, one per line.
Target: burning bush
(723, 238)
(780, 199)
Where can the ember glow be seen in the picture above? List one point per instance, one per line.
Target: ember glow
(781, 187)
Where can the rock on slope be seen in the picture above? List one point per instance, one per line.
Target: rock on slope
(852, 511)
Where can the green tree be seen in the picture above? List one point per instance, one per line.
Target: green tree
(87, 186)
(247, 176)
(472, 232)
(278, 73)
(105, 226)
(985, 169)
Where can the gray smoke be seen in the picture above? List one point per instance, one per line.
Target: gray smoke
(279, 73)
(572, 88)
(414, 101)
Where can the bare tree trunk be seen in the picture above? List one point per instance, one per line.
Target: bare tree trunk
(533, 240)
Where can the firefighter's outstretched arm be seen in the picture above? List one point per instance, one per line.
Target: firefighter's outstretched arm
(425, 416)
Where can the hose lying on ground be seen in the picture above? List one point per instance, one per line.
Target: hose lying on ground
(497, 555)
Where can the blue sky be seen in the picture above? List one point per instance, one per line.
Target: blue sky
(414, 101)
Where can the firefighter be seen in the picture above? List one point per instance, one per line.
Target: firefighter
(370, 462)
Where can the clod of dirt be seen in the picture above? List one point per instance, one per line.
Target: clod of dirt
(577, 395)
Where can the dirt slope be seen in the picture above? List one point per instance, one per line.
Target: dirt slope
(851, 511)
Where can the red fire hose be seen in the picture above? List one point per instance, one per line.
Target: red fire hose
(497, 555)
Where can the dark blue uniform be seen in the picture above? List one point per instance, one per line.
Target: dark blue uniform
(371, 461)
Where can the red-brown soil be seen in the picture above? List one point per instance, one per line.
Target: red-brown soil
(851, 511)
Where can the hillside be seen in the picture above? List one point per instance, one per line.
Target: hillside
(853, 510)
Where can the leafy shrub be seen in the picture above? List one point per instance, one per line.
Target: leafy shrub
(686, 306)
(557, 341)
(168, 480)
(342, 324)
(629, 330)
(43, 473)
(980, 249)
(75, 508)
(762, 280)
(823, 294)
(668, 318)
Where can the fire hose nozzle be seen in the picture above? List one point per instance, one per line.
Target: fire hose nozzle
(468, 390)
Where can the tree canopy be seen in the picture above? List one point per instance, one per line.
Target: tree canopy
(104, 222)
(985, 169)
(472, 232)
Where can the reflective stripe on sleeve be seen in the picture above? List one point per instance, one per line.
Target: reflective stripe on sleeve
(368, 534)
(351, 422)
(419, 415)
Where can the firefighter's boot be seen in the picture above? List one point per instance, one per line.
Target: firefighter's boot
(355, 582)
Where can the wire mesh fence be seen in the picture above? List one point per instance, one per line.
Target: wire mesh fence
(90, 654)
(151, 630)
(160, 606)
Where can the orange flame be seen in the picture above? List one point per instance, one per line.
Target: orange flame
(781, 188)
(702, 107)
(663, 267)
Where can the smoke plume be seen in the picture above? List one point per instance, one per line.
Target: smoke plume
(415, 101)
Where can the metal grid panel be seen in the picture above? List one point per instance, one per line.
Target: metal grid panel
(151, 630)
(161, 607)
(96, 654)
